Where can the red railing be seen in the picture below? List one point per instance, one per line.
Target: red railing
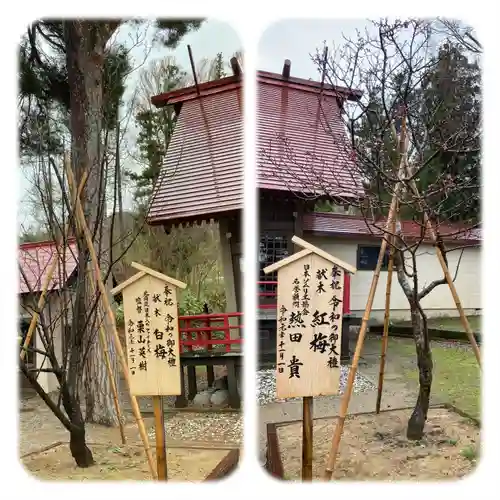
(272, 291)
(207, 331)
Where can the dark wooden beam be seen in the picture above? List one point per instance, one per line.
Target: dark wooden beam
(193, 69)
(235, 66)
(286, 69)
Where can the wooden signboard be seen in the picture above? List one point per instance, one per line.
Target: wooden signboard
(152, 332)
(309, 323)
(152, 339)
(309, 330)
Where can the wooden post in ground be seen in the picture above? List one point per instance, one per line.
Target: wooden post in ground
(330, 466)
(304, 369)
(387, 313)
(104, 297)
(307, 438)
(161, 449)
(102, 334)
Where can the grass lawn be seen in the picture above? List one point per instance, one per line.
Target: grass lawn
(453, 324)
(456, 373)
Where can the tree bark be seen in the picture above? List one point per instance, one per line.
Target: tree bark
(85, 48)
(416, 424)
(418, 418)
(77, 443)
(78, 446)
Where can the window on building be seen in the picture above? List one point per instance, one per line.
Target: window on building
(272, 248)
(368, 256)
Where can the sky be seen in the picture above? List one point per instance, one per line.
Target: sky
(297, 39)
(294, 39)
(213, 37)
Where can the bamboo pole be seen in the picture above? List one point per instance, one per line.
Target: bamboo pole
(307, 438)
(330, 466)
(161, 449)
(449, 279)
(102, 334)
(453, 290)
(387, 313)
(456, 298)
(111, 317)
(43, 295)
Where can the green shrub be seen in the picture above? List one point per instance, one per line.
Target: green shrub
(189, 304)
(119, 316)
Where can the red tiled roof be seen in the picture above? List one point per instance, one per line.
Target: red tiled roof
(302, 142)
(355, 227)
(202, 174)
(35, 260)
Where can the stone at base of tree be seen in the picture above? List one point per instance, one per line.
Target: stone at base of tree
(202, 399)
(220, 372)
(220, 398)
(221, 384)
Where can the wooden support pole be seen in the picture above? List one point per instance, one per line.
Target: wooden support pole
(48, 278)
(102, 334)
(111, 317)
(307, 438)
(387, 313)
(456, 298)
(161, 448)
(344, 405)
(446, 271)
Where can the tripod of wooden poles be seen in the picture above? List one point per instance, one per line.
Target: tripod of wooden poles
(95, 278)
(390, 230)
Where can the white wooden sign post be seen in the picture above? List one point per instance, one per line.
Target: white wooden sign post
(309, 330)
(152, 340)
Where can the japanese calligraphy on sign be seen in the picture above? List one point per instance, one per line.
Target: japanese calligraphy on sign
(309, 322)
(152, 333)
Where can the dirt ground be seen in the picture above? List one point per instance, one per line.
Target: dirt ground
(121, 463)
(196, 443)
(374, 447)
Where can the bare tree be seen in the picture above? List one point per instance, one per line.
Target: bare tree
(412, 135)
(71, 75)
(461, 33)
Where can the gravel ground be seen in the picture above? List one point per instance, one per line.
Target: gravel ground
(220, 427)
(38, 427)
(266, 380)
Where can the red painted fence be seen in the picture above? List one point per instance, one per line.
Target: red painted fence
(271, 291)
(207, 331)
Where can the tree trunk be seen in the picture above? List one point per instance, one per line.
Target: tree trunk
(418, 418)
(99, 403)
(119, 185)
(85, 47)
(71, 403)
(78, 447)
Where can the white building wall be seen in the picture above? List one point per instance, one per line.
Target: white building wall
(52, 316)
(438, 303)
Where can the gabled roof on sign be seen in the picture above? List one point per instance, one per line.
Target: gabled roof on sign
(143, 271)
(308, 249)
(202, 173)
(35, 259)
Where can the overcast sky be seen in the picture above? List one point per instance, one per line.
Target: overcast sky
(290, 39)
(296, 39)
